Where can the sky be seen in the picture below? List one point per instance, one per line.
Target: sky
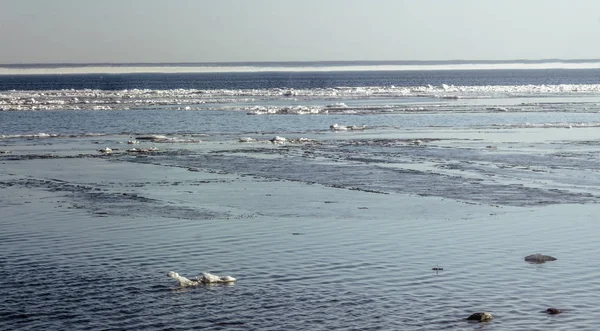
(152, 31)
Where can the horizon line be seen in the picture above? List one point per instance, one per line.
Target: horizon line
(329, 62)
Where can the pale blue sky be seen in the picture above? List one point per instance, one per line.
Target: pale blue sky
(51, 31)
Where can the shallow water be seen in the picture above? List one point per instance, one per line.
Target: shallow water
(87, 239)
(335, 231)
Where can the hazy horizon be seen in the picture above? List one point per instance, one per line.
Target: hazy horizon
(232, 31)
(452, 61)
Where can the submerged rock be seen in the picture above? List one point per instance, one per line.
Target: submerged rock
(539, 258)
(481, 317)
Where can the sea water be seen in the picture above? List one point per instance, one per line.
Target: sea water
(467, 170)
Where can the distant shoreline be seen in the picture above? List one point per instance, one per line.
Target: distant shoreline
(290, 63)
(322, 66)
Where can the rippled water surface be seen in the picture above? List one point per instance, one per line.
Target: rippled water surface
(87, 243)
(324, 230)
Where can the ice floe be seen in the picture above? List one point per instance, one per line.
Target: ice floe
(142, 150)
(337, 127)
(167, 139)
(278, 140)
(190, 99)
(206, 278)
(247, 140)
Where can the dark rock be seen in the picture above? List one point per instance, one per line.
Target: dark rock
(539, 258)
(553, 311)
(481, 317)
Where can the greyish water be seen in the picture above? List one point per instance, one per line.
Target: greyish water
(325, 230)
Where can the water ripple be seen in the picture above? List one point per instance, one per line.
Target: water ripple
(67, 269)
